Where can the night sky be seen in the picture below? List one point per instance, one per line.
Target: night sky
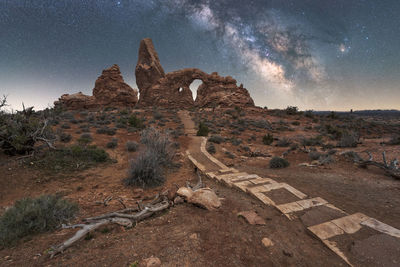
(314, 54)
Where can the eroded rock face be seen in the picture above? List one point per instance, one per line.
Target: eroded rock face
(148, 69)
(172, 89)
(75, 101)
(110, 90)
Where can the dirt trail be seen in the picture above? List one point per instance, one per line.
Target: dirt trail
(195, 141)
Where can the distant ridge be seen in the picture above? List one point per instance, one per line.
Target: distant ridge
(373, 112)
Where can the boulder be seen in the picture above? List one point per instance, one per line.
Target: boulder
(205, 198)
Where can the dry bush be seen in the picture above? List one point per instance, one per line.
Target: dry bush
(132, 146)
(278, 163)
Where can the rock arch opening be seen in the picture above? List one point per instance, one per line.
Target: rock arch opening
(194, 86)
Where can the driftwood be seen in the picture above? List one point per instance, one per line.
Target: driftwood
(391, 169)
(125, 217)
(121, 217)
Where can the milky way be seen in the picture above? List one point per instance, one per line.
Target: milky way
(314, 54)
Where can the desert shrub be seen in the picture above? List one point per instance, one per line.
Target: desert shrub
(67, 115)
(145, 170)
(216, 139)
(236, 141)
(73, 121)
(65, 138)
(348, 140)
(278, 163)
(136, 122)
(113, 143)
(296, 123)
(203, 129)
(132, 146)
(229, 154)
(31, 216)
(335, 132)
(312, 141)
(284, 142)
(314, 155)
(85, 139)
(268, 139)
(157, 115)
(65, 126)
(309, 114)
(262, 124)
(21, 131)
(70, 158)
(211, 148)
(106, 130)
(394, 140)
(159, 143)
(291, 110)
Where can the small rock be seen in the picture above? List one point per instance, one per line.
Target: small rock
(267, 242)
(194, 236)
(151, 262)
(252, 217)
(287, 253)
(205, 198)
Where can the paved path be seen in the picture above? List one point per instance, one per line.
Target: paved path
(322, 219)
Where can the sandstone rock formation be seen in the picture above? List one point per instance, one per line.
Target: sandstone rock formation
(148, 69)
(172, 89)
(75, 101)
(110, 90)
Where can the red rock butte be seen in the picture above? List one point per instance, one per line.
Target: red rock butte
(158, 88)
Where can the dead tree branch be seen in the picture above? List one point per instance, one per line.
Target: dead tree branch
(391, 169)
(119, 217)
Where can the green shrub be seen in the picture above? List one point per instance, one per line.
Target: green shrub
(268, 139)
(85, 139)
(278, 163)
(70, 158)
(203, 129)
(296, 123)
(132, 146)
(134, 121)
(31, 216)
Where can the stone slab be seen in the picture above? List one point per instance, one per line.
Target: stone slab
(326, 230)
(381, 227)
